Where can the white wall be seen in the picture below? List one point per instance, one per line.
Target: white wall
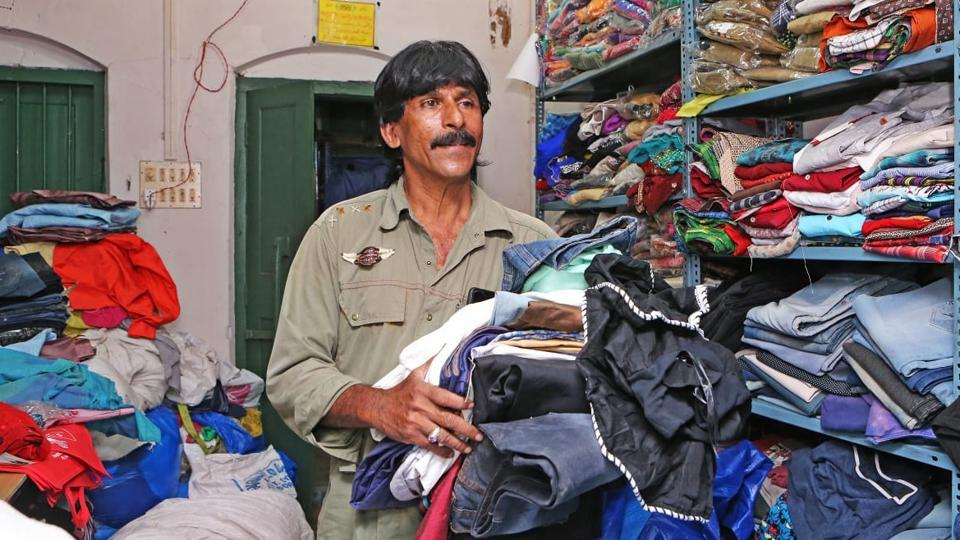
(270, 38)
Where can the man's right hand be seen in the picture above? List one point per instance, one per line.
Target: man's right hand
(412, 410)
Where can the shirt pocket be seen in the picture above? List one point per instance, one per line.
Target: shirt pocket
(364, 304)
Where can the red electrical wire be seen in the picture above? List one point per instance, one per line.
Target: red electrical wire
(198, 80)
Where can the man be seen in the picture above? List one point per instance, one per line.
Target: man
(375, 273)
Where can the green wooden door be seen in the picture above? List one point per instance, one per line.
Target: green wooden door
(279, 205)
(51, 131)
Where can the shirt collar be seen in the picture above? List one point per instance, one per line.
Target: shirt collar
(489, 215)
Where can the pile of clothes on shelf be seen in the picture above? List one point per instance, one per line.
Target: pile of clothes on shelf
(748, 44)
(572, 450)
(879, 176)
(631, 145)
(863, 35)
(99, 401)
(838, 490)
(583, 35)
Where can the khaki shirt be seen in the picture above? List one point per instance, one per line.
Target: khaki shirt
(342, 324)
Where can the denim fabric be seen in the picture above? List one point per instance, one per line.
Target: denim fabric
(527, 474)
(508, 307)
(823, 343)
(371, 483)
(507, 388)
(809, 408)
(942, 170)
(662, 397)
(919, 158)
(816, 364)
(17, 277)
(818, 307)
(926, 341)
(570, 277)
(911, 409)
(521, 260)
(924, 380)
(823, 481)
(38, 216)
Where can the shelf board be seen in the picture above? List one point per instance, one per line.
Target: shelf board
(649, 69)
(609, 202)
(835, 91)
(834, 253)
(931, 454)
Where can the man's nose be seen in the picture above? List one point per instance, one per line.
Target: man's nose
(452, 115)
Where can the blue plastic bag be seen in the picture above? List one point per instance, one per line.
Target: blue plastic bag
(236, 440)
(142, 479)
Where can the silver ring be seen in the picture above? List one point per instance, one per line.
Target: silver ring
(434, 436)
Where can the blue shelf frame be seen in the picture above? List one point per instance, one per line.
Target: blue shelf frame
(828, 253)
(618, 201)
(923, 453)
(834, 91)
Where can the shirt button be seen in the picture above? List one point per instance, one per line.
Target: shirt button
(806, 177)
(429, 263)
(753, 220)
(476, 235)
(355, 317)
(429, 317)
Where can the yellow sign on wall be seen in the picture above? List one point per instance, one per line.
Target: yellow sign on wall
(346, 23)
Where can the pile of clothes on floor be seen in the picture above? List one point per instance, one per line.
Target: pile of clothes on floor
(571, 449)
(583, 35)
(879, 176)
(631, 145)
(100, 401)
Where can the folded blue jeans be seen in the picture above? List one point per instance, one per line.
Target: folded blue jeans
(17, 278)
(527, 474)
(825, 342)
(816, 364)
(817, 307)
(371, 483)
(914, 330)
(521, 260)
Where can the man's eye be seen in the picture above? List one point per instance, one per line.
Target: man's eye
(467, 103)
(429, 103)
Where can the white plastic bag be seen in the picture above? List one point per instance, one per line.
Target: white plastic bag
(218, 474)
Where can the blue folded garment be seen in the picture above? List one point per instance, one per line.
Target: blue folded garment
(39, 216)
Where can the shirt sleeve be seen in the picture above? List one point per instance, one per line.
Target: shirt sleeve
(303, 380)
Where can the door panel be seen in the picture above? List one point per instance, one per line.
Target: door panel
(280, 205)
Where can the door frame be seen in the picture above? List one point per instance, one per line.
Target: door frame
(244, 85)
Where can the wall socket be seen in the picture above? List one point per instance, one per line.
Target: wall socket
(169, 184)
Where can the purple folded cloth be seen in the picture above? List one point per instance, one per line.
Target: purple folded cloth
(883, 426)
(843, 413)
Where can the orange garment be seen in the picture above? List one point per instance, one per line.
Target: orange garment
(120, 270)
(593, 11)
(923, 31)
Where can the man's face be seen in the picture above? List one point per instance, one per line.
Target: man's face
(440, 132)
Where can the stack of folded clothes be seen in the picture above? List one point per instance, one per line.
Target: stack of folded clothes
(760, 205)
(66, 217)
(875, 33)
(798, 342)
(799, 24)
(902, 139)
(833, 217)
(31, 298)
(910, 199)
(583, 35)
(630, 145)
(656, 244)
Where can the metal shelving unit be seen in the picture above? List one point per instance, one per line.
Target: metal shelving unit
(819, 96)
(831, 253)
(610, 202)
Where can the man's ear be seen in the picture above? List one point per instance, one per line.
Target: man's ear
(390, 135)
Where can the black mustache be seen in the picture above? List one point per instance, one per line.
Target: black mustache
(452, 138)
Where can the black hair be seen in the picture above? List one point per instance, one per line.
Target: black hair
(419, 69)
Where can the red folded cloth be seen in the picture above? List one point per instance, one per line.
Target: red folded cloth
(703, 185)
(905, 222)
(759, 171)
(777, 178)
(20, 435)
(824, 182)
(436, 523)
(740, 239)
(775, 215)
(658, 189)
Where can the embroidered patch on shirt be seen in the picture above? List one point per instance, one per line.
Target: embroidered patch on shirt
(368, 256)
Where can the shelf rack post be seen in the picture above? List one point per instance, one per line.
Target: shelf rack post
(955, 78)
(691, 126)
